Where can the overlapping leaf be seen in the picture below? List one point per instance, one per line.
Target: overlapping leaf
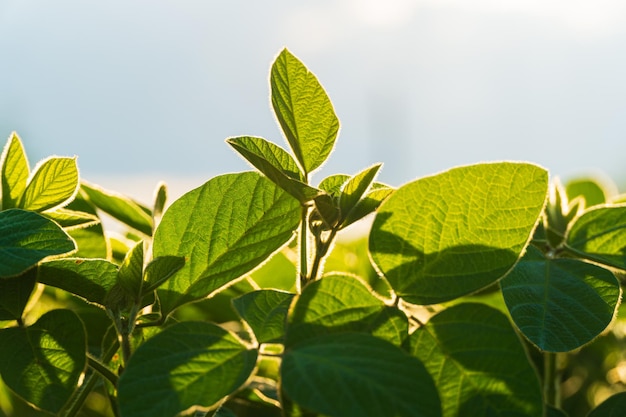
(599, 234)
(340, 303)
(560, 304)
(26, 238)
(14, 172)
(266, 313)
(478, 363)
(15, 293)
(450, 234)
(43, 363)
(187, 364)
(356, 374)
(224, 229)
(304, 111)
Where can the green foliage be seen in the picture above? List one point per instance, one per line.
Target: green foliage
(488, 289)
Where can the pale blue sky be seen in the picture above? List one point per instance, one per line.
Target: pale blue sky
(149, 90)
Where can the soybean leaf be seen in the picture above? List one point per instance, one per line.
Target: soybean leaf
(593, 191)
(598, 234)
(276, 164)
(444, 236)
(160, 198)
(368, 204)
(120, 207)
(560, 304)
(378, 378)
(70, 219)
(224, 229)
(46, 359)
(187, 364)
(26, 238)
(90, 240)
(478, 363)
(89, 279)
(355, 188)
(341, 303)
(15, 293)
(265, 311)
(130, 274)
(555, 412)
(614, 406)
(160, 270)
(14, 172)
(333, 184)
(303, 110)
(53, 184)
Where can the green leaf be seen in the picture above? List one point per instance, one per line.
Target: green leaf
(70, 219)
(130, 274)
(368, 204)
(90, 279)
(160, 270)
(224, 229)
(188, 364)
(599, 234)
(265, 311)
(356, 374)
(303, 110)
(276, 164)
(444, 236)
(478, 362)
(614, 406)
(90, 240)
(26, 238)
(160, 198)
(53, 184)
(120, 207)
(15, 172)
(341, 303)
(15, 293)
(555, 412)
(46, 359)
(355, 188)
(560, 304)
(333, 184)
(592, 190)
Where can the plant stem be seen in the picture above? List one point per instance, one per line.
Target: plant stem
(321, 249)
(102, 369)
(551, 380)
(304, 250)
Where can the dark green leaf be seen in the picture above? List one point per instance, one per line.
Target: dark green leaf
(187, 364)
(130, 275)
(15, 293)
(599, 234)
(560, 304)
(26, 238)
(90, 279)
(266, 313)
(54, 184)
(15, 172)
(614, 406)
(444, 236)
(303, 110)
(224, 229)
(356, 374)
(120, 207)
(478, 362)
(46, 359)
(341, 303)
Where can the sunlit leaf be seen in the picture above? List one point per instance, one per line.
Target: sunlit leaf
(14, 172)
(26, 238)
(187, 364)
(444, 236)
(224, 229)
(594, 191)
(303, 110)
(53, 184)
(46, 359)
(560, 304)
(265, 311)
(70, 219)
(160, 270)
(355, 188)
(478, 363)
(356, 374)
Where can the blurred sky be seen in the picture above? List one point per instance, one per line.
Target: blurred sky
(147, 90)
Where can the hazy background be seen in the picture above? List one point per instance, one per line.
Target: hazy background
(148, 90)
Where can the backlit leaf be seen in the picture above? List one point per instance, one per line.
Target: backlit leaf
(303, 110)
(224, 229)
(444, 236)
(599, 234)
(70, 219)
(53, 184)
(357, 375)
(160, 270)
(187, 364)
(14, 173)
(266, 313)
(46, 359)
(26, 238)
(478, 363)
(560, 304)
(130, 275)
(594, 191)
(355, 188)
